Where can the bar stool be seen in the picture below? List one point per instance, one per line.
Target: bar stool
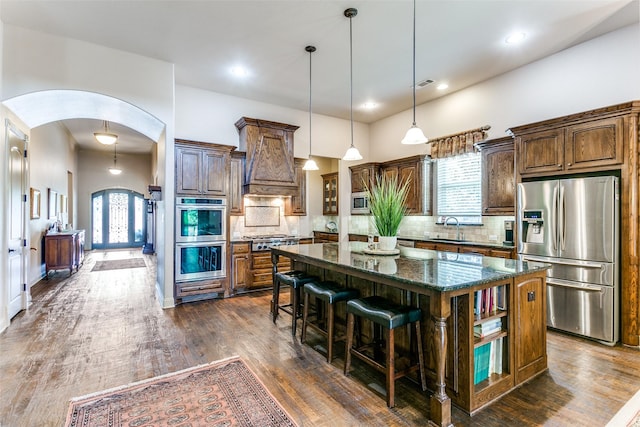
(389, 316)
(330, 293)
(296, 280)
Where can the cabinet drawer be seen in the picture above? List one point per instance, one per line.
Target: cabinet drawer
(196, 288)
(240, 248)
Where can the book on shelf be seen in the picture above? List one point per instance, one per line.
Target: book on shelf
(487, 328)
(488, 359)
(489, 301)
(481, 363)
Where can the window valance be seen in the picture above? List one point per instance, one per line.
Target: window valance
(459, 143)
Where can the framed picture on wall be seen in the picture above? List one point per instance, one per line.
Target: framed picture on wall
(35, 203)
(52, 201)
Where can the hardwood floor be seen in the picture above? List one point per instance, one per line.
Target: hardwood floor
(97, 330)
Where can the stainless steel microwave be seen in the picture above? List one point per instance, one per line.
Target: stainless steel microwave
(359, 204)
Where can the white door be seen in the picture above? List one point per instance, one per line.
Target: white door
(17, 203)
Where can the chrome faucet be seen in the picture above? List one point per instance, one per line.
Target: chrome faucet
(446, 222)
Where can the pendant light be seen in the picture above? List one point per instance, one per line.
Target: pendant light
(352, 153)
(115, 170)
(106, 137)
(310, 164)
(414, 134)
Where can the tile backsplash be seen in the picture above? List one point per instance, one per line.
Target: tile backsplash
(491, 230)
(263, 215)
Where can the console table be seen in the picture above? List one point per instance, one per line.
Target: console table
(64, 250)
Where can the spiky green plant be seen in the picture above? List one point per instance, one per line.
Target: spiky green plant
(387, 202)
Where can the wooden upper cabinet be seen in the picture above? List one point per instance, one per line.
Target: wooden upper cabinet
(594, 144)
(541, 152)
(498, 176)
(330, 194)
(361, 174)
(416, 168)
(201, 168)
(578, 144)
(297, 204)
(236, 177)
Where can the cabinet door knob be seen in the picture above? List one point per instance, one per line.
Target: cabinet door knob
(569, 164)
(560, 165)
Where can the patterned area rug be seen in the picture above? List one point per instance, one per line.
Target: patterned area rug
(628, 415)
(118, 264)
(222, 393)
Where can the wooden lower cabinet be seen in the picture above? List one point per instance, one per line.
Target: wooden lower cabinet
(480, 250)
(322, 237)
(240, 255)
(200, 289)
(64, 251)
(261, 270)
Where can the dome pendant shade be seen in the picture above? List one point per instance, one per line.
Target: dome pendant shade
(414, 136)
(352, 154)
(115, 170)
(106, 137)
(310, 165)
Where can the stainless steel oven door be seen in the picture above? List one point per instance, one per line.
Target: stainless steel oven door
(200, 223)
(198, 261)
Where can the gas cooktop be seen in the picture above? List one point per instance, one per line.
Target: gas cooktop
(265, 242)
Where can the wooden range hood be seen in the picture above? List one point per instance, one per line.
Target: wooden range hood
(269, 167)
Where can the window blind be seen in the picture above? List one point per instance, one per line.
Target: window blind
(459, 189)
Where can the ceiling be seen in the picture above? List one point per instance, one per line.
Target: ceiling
(457, 42)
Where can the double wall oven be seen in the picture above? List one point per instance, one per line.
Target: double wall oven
(201, 243)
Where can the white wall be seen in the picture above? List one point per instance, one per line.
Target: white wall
(92, 168)
(34, 61)
(51, 154)
(601, 72)
(209, 117)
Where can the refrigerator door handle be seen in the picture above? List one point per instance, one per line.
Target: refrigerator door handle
(554, 218)
(562, 224)
(576, 263)
(581, 286)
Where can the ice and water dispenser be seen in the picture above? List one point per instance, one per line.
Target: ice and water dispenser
(532, 227)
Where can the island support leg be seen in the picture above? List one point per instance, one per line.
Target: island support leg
(440, 404)
(276, 289)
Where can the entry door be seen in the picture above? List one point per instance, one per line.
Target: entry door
(17, 162)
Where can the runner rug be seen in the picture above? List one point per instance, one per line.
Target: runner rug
(222, 393)
(628, 415)
(118, 264)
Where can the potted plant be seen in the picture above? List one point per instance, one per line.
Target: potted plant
(387, 202)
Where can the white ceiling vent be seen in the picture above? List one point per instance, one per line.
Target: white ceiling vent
(423, 83)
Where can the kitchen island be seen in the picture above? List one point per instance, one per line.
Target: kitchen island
(461, 295)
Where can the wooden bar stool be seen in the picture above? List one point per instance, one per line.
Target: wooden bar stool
(330, 293)
(296, 280)
(389, 316)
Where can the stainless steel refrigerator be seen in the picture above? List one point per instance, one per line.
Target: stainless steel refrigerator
(572, 224)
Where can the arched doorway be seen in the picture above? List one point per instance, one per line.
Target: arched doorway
(118, 219)
(43, 107)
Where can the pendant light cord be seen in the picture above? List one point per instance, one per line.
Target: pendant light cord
(414, 62)
(310, 50)
(351, 75)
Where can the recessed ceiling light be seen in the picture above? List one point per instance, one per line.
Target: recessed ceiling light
(442, 86)
(369, 105)
(515, 38)
(239, 71)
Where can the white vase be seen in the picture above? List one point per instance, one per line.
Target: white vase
(387, 265)
(387, 243)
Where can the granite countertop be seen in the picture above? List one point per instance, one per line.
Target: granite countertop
(442, 271)
(494, 245)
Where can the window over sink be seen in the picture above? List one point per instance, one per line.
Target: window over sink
(458, 187)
